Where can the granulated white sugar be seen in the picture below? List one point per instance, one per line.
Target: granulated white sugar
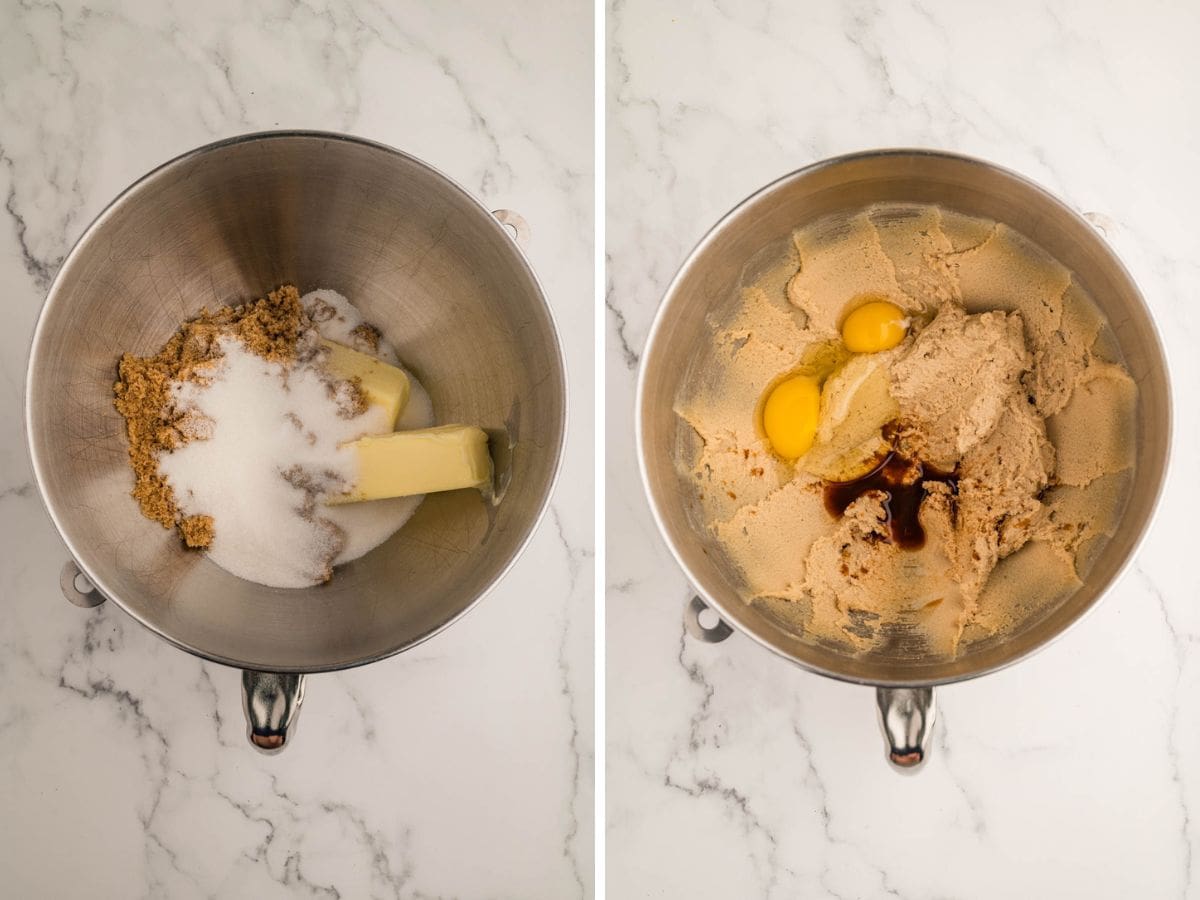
(270, 452)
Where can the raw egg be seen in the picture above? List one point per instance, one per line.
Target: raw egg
(790, 415)
(874, 326)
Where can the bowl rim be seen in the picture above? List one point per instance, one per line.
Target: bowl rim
(653, 336)
(157, 172)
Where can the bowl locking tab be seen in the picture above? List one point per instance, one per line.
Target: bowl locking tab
(711, 629)
(76, 587)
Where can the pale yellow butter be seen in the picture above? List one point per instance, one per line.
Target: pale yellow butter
(383, 385)
(423, 461)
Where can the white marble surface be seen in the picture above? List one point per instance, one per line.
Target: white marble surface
(462, 768)
(732, 773)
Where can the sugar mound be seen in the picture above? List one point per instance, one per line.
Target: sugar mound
(267, 448)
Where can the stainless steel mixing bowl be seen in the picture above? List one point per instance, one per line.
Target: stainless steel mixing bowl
(434, 269)
(680, 344)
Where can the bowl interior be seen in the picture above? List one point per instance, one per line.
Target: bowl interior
(422, 259)
(759, 229)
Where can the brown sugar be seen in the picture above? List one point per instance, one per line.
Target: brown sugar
(197, 531)
(367, 335)
(271, 327)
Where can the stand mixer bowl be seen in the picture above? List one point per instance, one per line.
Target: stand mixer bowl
(441, 277)
(706, 285)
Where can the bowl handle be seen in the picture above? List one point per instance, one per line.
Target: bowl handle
(272, 703)
(906, 716)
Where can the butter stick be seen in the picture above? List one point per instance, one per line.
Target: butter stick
(446, 458)
(383, 385)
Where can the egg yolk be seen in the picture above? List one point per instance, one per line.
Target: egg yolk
(875, 326)
(789, 416)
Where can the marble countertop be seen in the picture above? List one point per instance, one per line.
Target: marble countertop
(462, 768)
(732, 773)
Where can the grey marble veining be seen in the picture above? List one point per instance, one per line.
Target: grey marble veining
(732, 773)
(460, 769)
